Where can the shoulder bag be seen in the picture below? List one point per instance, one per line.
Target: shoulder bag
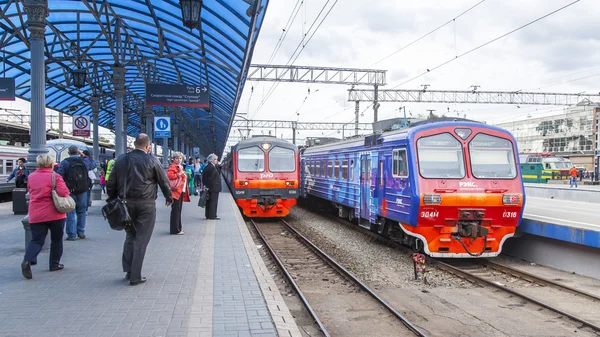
(115, 211)
(174, 183)
(62, 204)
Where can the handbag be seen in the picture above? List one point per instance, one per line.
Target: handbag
(62, 204)
(175, 183)
(203, 198)
(115, 211)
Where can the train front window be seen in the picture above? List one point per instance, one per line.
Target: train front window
(282, 160)
(440, 156)
(251, 159)
(492, 157)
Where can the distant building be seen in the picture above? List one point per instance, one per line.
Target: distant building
(572, 134)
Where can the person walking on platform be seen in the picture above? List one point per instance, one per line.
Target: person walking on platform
(21, 173)
(109, 167)
(75, 173)
(211, 178)
(89, 162)
(198, 175)
(143, 173)
(189, 170)
(43, 216)
(573, 174)
(178, 179)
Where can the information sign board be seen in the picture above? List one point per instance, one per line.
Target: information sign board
(7, 89)
(196, 96)
(162, 127)
(81, 126)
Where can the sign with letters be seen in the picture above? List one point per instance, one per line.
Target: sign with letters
(196, 96)
(162, 127)
(81, 126)
(7, 89)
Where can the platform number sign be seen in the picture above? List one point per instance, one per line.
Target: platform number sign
(162, 127)
(81, 126)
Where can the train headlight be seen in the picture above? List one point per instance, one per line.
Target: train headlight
(243, 183)
(511, 199)
(432, 199)
(290, 183)
(265, 146)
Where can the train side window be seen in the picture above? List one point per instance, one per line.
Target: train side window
(532, 167)
(329, 169)
(9, 166)
(318, 168)
(2, 167)
(399, 166)
(344, 169)
(336, 170)
(352, 170)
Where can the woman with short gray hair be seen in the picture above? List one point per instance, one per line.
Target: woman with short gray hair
(44, 216)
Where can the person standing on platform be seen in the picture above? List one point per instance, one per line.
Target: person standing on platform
(198, 175)
(21, 173)
(75, 173)
(189, 170)
(109, 167)
(211, 178)
(89, 162)
(43, 216)
(143, 173)
(181, 191)
(573, 174)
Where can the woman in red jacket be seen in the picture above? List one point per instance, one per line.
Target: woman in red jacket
(181, 193)
(43, 216)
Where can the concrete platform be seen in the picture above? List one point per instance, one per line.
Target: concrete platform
(209, 282)
(569, 221)
(583, 193)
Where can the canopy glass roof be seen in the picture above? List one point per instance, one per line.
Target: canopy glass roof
(148, 38)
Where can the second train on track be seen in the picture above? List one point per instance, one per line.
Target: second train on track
(449, 188)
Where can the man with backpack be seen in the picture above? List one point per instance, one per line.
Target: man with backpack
(75, 173)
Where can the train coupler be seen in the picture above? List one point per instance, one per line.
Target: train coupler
(471, 229)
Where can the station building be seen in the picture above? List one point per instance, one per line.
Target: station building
(571, 134)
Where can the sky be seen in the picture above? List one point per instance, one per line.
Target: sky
(551, 55)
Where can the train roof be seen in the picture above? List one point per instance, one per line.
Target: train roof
(404, 133)
(258, 140)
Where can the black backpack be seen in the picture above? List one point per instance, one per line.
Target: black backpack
(77, 179)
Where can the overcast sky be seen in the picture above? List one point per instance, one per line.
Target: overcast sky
(545, 56)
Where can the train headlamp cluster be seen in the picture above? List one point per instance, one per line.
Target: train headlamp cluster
(432, 199)
(265, 146)
(290, 183)
(243, 183)
(511, 199)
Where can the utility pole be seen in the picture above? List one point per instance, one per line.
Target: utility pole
(430, 113)
(356, 113)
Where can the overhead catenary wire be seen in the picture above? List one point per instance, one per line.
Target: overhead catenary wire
(301, 44)
(487, 43)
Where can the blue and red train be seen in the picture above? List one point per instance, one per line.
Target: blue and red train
(449, 188)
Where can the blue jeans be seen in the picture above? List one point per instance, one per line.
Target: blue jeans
(80, 208)
(573, 181)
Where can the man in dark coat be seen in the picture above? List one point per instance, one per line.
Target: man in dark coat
(143, 173)
(211, 178)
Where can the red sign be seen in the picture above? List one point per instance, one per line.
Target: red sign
(81, 126)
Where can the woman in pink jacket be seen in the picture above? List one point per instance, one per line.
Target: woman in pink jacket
(181, 193)
(43, 216)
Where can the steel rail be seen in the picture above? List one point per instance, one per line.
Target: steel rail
(348, 274)
(537, 279)
(291, 280)
(482, 280)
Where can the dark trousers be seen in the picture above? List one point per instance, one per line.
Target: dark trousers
(38, 237)
(136, 242)
(176, 208)
(211, 205)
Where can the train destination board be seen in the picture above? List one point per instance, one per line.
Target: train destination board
(7, 89)
(196, 96)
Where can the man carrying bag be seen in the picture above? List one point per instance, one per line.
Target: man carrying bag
(141, 173)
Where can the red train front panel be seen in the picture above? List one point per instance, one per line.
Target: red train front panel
(265, 178)
(471, 194)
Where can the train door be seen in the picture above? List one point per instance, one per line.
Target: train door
(365, 186)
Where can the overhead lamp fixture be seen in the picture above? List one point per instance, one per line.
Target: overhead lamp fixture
(79, 76)
(190, 12)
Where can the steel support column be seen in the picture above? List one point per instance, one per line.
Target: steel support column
(119, 83)
(96, 189)
(125, 125)
(175, 138)
(37, 11)
(149, 121)
(375, 103)
(356, 115)
(165, 152)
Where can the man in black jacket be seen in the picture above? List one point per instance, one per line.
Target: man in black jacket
(211, 178)
(143, 172)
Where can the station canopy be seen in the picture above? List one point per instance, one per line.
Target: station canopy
(148, 39)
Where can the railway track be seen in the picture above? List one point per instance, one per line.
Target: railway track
(481, 273)
(485, 278)
(340, 304)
